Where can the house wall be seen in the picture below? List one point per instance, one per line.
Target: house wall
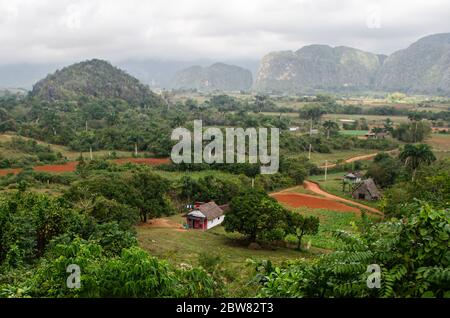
(201, 223)
(215, 222)
(362, 191)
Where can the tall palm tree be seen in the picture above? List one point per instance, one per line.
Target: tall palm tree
(415, 118)
(330, 125)
(413, 156)
(389, 125)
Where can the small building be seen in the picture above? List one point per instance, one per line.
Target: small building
(351, 179)
(205, 216)
(366, 190)
(377, 135)
(294, 128)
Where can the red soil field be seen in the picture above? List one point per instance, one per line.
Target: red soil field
(67, 167)
(296, 200)
(4, 172)
(71, 166)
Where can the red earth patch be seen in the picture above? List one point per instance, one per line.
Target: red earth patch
(296, 200)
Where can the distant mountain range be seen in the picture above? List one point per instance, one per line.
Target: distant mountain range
(158, 74)
(318, 67)
(218, 76)
(422, 68)
(164, 73)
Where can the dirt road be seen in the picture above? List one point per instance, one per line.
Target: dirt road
(314, 187)
(357, 158)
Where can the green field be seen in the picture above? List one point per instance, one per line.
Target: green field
(65, 151)
(186, 246)
(371, 119)
(177, 175)
(440, 144)
(330, 221)
(353, 132)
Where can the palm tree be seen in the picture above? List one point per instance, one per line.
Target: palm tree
(88, 139)
(413, 156)
(415, 117)
(330, 125)
(389, 125)
(135, 138)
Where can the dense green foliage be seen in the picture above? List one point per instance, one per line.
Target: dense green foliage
(255, 214)
(385, 170)
(413, 255)
(431, 184)
(41, 236)
(144, 191)
(209, 188)
(261, 218)
(412, 132)
(300, 225)
(413, 156)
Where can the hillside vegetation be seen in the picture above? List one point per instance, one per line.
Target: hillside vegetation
(95, 78)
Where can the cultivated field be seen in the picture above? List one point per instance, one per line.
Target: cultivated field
(440, 144)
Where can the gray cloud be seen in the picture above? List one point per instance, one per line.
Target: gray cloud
(66, 30)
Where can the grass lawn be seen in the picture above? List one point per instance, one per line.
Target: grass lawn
(353, 132)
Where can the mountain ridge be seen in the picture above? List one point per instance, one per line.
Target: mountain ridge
(423, 67)
(218, 76)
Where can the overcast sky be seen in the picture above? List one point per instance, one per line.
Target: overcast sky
(50, 31)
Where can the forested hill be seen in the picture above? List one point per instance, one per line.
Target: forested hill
(218, 76)
(424, 67)
(93, 78)
(318, 67)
